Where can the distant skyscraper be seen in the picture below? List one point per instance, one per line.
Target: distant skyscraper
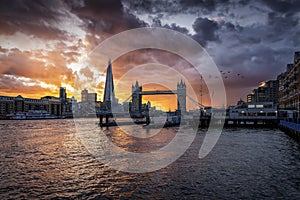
(92, 97)
(84, 95)
(62, 93)
(88, 97)
(289, 67)
(296, 57)
(109, 91)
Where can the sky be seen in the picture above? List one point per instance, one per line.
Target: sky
(44, 44)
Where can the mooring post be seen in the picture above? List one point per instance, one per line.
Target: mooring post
(101, 120)
(106, 119)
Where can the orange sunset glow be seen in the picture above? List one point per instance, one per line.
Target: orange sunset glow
(36, 73)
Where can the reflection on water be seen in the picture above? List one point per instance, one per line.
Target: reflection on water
(125, 152)
(45, 159)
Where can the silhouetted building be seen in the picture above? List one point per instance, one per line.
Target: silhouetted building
(126, 106)
(266, 92)
(7, 105)
(109, 91)
(88, 97)
(53, 105)
(62, 93)
(109, 99)
(84, 95)
(66, 103)
(296, 57)
(92, 97)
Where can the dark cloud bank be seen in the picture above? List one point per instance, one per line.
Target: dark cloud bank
(253, 38)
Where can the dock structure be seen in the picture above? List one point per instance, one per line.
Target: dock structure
(106, 117)
(204, 121)
(251, 121)
(290, 128)
(241, 122)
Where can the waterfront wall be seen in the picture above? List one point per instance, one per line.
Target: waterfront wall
(292, 129)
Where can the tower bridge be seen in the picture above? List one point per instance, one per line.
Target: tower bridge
(110, 102)
(137, 94)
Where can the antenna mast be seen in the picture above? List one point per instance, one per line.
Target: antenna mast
(201, 93)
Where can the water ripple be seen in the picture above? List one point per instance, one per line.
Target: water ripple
(43, 159)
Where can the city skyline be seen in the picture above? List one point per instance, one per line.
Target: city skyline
(43, 44)
(253, 95)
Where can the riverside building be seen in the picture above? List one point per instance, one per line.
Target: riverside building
(289, 87)
(267, 91)
(57, 106)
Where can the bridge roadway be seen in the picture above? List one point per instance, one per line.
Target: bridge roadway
(154, 92)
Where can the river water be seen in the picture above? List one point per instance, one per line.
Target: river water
(45, 159)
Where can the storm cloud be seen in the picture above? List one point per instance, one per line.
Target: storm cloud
(253, 39)
(250, 41)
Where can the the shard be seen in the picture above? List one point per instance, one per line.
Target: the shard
(109, 91)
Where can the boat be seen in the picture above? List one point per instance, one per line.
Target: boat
(18, 116)
(32, 114)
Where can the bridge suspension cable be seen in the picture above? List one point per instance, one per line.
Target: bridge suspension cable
(195, 102)
(190, 98)
(127, 98)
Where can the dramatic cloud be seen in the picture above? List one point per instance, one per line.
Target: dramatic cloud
(46, 42)
(43, 19)
(250, 41)
(13, 85)
(205, 30)
(105, 18)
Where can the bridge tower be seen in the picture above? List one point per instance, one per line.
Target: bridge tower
(136, 97)
(181, 96)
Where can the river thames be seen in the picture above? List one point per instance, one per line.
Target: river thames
(45, 159)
